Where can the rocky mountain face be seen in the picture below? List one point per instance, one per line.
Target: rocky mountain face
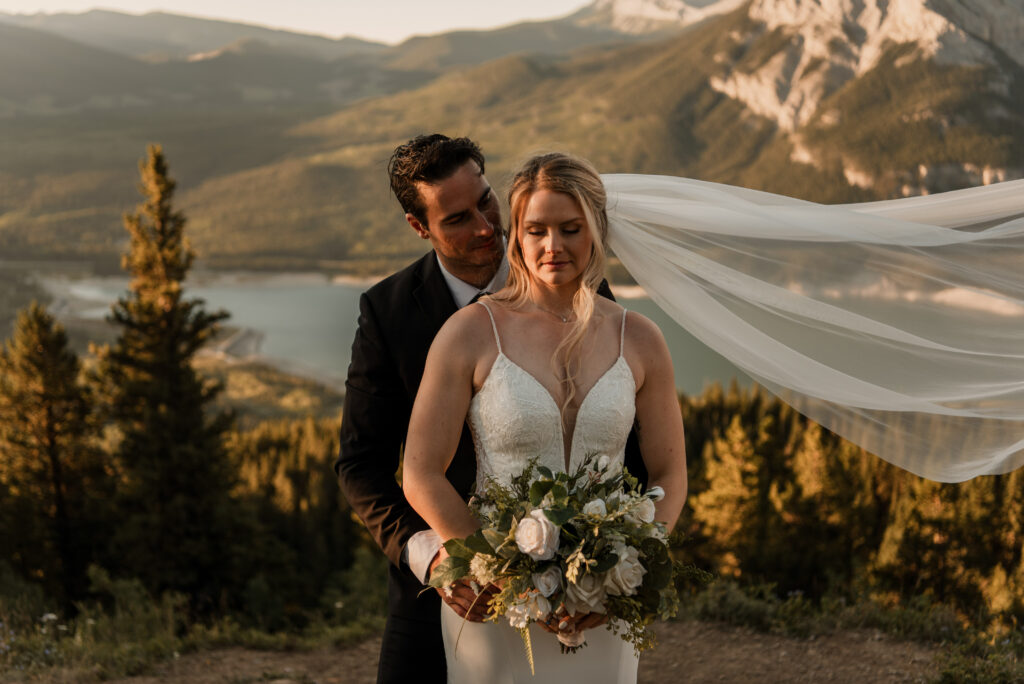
(833, 41)
(810, 57)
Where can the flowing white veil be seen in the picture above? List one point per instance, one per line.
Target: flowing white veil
(898, 324)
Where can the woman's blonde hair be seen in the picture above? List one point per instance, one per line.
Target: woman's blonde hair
(579, 179)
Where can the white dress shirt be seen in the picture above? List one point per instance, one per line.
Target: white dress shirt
(423, 546)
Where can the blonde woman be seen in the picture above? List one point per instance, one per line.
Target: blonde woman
(544, 368)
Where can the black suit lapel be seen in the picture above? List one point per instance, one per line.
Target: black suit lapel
(432, 294)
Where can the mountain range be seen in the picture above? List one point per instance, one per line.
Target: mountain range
(274, 134)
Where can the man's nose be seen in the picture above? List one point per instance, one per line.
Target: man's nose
(483, 225)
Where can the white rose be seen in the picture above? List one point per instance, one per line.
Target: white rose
(602, 463)
(536, 536)
(627, 575)
(547, 582)
(537, 606)
(595, 507)
(656, 493)
(585, 596)
(642, 511)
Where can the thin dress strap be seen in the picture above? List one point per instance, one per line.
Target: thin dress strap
(622, 334)
(494, 326)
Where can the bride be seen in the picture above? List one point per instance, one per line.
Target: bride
(546, 369)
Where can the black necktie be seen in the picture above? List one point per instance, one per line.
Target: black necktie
(478, 295)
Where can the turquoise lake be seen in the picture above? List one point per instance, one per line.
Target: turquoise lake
(308, 321)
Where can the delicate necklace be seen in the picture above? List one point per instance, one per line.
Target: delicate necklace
(564, 319)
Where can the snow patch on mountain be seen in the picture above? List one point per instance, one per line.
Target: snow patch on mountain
(833, 41)
(650, 16)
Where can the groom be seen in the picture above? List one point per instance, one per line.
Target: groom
(440, 184)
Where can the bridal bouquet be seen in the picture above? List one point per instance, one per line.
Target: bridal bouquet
(562, 544)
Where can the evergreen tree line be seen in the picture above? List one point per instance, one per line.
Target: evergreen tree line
(120, 461)
(776, 499)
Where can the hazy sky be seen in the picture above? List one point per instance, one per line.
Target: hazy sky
(384, 20)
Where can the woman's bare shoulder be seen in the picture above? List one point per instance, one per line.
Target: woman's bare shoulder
(643, 334)
(469, 327)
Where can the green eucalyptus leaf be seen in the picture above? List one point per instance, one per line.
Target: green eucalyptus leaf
(560, 494)
(605, 563)
(477, 543)
(654, 549)
(539, 490)
(493, 537)
(559, 516)
(449, 570)
(457, 548)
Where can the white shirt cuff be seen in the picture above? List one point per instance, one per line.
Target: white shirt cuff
(420, 551)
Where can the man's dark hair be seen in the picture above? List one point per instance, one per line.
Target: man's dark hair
(427, 159)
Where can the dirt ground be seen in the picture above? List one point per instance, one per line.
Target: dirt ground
(690, 652)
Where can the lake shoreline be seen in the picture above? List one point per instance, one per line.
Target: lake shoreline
(303, 322)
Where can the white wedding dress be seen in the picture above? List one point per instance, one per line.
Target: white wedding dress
(514, 418)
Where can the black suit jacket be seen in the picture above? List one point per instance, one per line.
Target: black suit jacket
(398, 319)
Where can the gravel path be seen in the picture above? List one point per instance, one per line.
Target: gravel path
(691, 652)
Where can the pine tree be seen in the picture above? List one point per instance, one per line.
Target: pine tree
(176, 475)
(51, 474)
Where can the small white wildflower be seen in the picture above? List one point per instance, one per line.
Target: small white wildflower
(517, 615)
(483, 568)
(49, 617)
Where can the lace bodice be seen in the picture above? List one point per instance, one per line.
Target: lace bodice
(514, 418)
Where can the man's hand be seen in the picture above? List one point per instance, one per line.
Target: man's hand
(461, 596)
(560, 623)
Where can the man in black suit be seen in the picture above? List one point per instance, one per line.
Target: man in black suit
(447, 200)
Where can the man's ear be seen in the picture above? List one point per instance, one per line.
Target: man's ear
(420, 229)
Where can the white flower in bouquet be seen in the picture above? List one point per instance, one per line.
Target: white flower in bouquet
(627, 575)
(655, 493)
(532, 606)
(484, 568)
(538, 607)
(608, 467)
(536, 536)
(642, 511)
(549, 581)
(586, 595)
(518, 616)
(595, 507)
